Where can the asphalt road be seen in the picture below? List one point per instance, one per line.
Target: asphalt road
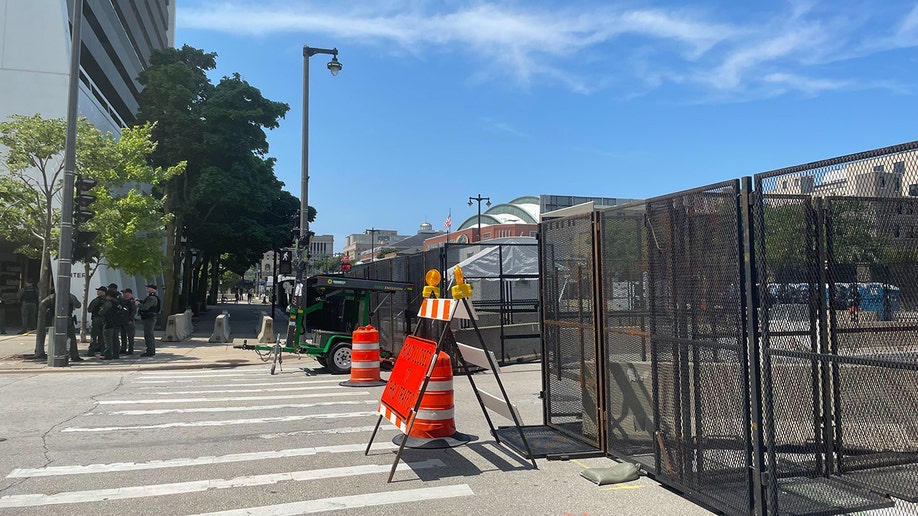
(201, 441)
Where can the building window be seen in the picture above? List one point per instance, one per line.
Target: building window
(882, 182)
(896, 231)
(878, 168)
(784, 184)
(898, 184)
(899, 167)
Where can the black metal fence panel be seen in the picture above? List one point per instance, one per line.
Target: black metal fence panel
(839, 303)
(626, 330)
(571, 378)
(697, 344)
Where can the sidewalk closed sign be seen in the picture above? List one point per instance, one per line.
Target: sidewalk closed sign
(404, 386)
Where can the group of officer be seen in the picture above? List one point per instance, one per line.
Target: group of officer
(113, 314)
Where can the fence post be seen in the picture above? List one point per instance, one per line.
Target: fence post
(755, 448)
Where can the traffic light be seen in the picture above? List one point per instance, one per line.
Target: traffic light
(83, 245)
(82, 199)
(286, 262)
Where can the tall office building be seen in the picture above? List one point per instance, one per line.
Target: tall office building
(118, 37)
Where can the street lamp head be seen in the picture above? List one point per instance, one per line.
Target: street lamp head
(334, 66)
(488, 203)
(470, 201)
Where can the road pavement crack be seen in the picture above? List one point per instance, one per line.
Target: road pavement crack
(46, 452)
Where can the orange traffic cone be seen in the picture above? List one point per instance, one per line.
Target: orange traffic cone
(364, 358)
(434, 425)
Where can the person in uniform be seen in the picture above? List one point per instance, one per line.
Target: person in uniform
(127, 329)
(110, 327)
(28, 296)
(96, 344)
(148, 309)
(50, 303)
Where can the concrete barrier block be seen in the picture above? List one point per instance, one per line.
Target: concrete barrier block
(189, 326)
(221, 331)
(266, 329)
(172, 329)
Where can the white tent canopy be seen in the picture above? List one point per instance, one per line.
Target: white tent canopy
(509, 258)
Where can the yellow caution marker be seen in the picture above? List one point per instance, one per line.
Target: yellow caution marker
(433, 279)
(461, 289)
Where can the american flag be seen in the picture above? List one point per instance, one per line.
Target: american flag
(449, 221)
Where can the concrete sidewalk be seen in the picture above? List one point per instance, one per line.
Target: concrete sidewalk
(195, 352)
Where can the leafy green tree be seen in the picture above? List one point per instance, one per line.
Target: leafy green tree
(175, 87)
(31, 181)
(128, 224)
(228, 202)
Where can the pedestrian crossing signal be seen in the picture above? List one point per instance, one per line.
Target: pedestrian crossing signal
(286, 265)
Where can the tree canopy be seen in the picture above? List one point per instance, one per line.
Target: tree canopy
(228, 204)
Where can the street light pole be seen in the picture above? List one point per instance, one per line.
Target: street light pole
(334, 67)
(58, 354)
(479, 199)
(372, 232)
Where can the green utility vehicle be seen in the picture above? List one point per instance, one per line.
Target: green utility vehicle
(335, 306)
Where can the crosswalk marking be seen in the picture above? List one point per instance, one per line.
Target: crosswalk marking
(233, 398)
(224, 422)
(246, 391)
(199, 410)
(352, 502)
(121, 493)
(344, 430)
(154, 376)
(149, 385)
(281, 400)
(50, 471)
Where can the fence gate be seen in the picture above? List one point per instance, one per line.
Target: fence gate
(698, 344)
(625, 327)
(570, 374)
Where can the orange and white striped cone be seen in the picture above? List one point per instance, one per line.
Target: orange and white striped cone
(434, 425)
(364, 358)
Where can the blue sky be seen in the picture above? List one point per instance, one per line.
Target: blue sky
(441, 100)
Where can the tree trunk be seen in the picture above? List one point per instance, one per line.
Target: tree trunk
(44, 280)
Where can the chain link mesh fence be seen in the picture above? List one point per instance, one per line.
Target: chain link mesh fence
(759, 344)
(569, 347)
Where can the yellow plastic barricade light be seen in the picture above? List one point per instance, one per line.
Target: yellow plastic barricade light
(461, 289)
(433, 279)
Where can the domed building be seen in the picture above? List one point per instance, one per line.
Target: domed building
(517, 218)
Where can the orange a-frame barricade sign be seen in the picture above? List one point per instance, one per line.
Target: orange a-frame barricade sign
(411, 374)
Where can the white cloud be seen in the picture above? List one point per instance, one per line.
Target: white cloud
(685, 46)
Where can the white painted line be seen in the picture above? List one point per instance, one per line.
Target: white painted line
(353, 502)
(122, 493)
(223, 422)
(236, 383)
(51, 471)
(236, 398)
(242, 391)
(197, 410)
(345, 430)
(154, 376)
